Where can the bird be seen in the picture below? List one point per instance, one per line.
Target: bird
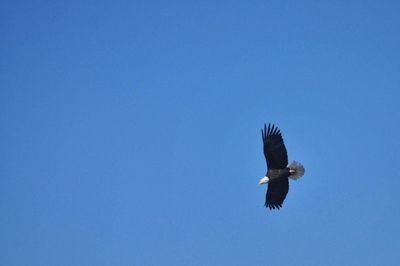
(278, 170)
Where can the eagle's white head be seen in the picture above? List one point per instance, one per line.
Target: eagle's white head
(264, 180)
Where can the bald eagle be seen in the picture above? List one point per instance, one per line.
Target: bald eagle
(278, 172)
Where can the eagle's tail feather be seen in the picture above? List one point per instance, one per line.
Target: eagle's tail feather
(296, 170)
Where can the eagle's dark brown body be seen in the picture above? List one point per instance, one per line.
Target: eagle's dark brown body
(277, 174)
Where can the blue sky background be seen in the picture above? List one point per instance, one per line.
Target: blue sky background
(130, 132)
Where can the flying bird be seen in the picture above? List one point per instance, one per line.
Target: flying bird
(278, 170)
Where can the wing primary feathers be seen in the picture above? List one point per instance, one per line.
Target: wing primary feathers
(269, 131)
(265, 133)
(273, 206)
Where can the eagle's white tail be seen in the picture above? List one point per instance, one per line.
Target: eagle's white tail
(296, 170)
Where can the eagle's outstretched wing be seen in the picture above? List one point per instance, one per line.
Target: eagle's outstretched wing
(276, 193)
(274, 148)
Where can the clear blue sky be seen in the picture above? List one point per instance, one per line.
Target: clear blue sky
(130, 132)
